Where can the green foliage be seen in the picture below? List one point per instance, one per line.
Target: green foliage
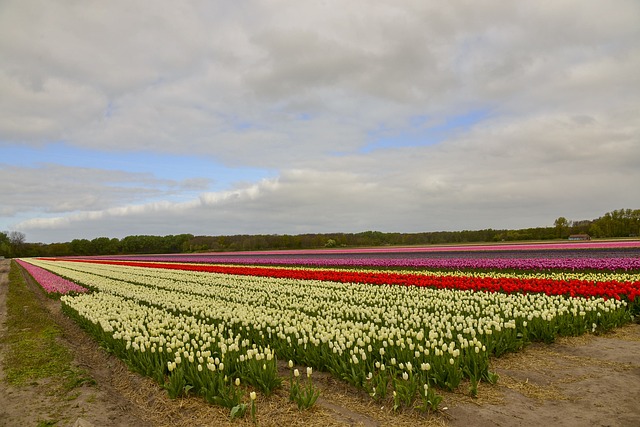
(33, 349)
(177, 385)
(304, 395)
(430, 399)
(5, 248)
(562, 227)
(378, 384)
(261, 374)
(618, 223)
(404, 391)
(238, 411)
(12, 244)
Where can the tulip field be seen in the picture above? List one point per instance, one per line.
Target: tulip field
(51, 283)
(398, 331)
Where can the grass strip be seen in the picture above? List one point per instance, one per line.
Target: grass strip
(33, 351)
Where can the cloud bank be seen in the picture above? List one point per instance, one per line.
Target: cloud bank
(398, 116)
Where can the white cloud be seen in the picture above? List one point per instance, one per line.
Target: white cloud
(519, 181)
(302, 88)
(54, 189)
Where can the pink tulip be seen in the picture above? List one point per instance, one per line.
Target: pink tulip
(51, 283)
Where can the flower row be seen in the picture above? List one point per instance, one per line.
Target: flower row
(553, 263)
(629, 290)
(51, 283)
(369, 335)
(209, 331)
(524, 247)
(593, 277)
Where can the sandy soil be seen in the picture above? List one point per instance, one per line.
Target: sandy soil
(590, 380)
(584, 381)
(98, 405)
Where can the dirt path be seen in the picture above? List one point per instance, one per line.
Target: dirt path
(87, 405)
(590, 380)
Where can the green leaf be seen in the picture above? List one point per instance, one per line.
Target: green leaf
(238, 411)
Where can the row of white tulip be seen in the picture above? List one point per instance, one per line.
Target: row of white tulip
(590, 276)
(350, 330)
(365, 302)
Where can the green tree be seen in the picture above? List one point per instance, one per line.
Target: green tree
(562, 227)
(16, 243)
(81, 247)
(330, 244)
(5, 247)
(104, 246)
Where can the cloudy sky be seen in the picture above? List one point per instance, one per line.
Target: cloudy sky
(286, 117)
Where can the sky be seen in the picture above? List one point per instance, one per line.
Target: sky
(134, 117)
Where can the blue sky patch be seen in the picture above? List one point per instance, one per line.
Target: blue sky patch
(418, 132)
(161, 166)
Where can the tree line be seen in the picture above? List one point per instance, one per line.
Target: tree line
(618, 223)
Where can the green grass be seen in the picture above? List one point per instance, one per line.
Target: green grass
(33, 351)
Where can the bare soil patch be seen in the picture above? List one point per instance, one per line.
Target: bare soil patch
(38, 403)
(589, 380)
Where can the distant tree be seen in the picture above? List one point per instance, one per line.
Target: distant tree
(104, 246)
(55, 249)
(595, 230)
(16, 237)
(562, 226)
(16, 243)
(618, 223)
(5, 246)
(81, 247)
(580, 227)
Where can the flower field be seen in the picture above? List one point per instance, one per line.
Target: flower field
(605, 256)
(219, 330)
(612, 264)
(51, 283)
